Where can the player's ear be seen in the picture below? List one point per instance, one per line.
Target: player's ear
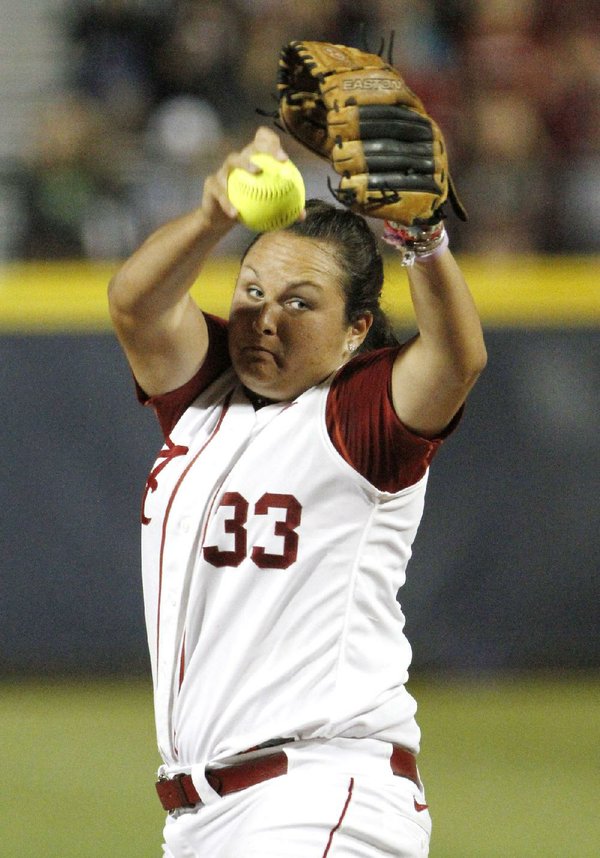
(358, 330)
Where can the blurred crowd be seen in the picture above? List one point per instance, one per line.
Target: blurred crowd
(158, 90)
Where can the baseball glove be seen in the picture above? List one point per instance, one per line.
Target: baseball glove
(355, 110)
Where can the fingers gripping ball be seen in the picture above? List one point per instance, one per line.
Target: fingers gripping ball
(271, 199)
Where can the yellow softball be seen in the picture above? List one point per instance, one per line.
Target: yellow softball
(271, 199)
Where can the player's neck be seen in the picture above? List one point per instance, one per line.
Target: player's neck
(256, 400)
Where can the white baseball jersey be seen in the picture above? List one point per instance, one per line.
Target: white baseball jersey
(271, 564)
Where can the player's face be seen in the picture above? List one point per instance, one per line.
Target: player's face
(287, 326)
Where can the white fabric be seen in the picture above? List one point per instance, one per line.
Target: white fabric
(339, 798)
(312, 650)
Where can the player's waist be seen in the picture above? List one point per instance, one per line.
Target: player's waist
(355, 757)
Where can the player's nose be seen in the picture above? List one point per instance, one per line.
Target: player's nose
(265, 320)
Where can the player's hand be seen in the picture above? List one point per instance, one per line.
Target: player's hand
(216, 206)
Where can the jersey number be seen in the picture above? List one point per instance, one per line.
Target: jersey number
(235, 524)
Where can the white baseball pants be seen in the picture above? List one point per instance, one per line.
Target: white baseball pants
(345, 805)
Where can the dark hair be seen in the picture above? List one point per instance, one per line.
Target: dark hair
(359, 259)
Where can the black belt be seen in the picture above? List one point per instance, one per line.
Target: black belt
(179, 791)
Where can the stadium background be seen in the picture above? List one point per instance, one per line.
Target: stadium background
(112, 114)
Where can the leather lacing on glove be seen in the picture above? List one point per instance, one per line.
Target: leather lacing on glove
(354, 109)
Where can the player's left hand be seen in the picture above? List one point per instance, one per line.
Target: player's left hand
(354, 109)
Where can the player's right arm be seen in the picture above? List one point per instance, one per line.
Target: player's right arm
(160, 327)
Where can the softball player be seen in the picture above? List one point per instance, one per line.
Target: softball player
(278, 521)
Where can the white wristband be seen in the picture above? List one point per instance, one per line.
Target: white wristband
(435, 251)
(415, 242)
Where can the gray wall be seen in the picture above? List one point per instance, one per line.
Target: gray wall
(504, 572)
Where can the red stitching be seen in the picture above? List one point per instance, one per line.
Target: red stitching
(341, 819)
(224, 410)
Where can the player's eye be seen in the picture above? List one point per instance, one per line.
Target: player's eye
(254, 291)
(298, 304)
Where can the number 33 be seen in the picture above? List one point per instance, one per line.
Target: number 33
(236, 525)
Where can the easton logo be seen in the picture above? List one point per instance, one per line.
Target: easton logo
(373, 83)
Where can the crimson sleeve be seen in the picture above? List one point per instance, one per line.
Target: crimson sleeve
(365, 430)
(170, 406)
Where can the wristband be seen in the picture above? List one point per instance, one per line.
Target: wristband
(415, 242)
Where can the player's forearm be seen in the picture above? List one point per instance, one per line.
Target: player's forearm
(152, 286)
(158, 276)
(447, 318)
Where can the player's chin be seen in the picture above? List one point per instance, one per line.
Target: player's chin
(261, 378)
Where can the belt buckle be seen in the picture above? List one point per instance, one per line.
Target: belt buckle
(171, 792)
